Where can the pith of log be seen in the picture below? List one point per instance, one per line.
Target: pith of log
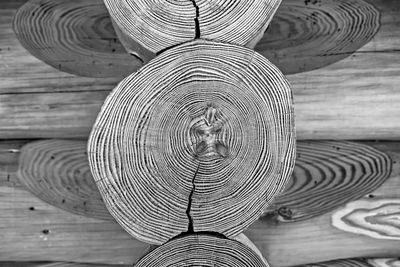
(57, 171)
(308, 35)
(39, 102)
(206, 126)
(73, 36)
(202, 250)
(154, 26)
(329, 174)
(82, 239)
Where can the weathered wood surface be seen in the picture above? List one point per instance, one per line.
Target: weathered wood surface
(296, 240)
(180, 145)
(329, 174)
(73, 36)
(355, 98)
(79, 239)
(57, 171)
(307, 35)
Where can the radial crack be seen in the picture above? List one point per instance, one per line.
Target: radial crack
(196, 20)
(190, 226)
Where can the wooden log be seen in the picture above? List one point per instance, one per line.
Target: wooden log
(324, 170)
(73, 36)
(308, 35)
(296, 240)
(21, 73)
(57, 264)
(82, 239)
(202, 250)
(327, 175)
(151, 27)
(345, 100)
(200, 139)
(385, 262)
(57, 171)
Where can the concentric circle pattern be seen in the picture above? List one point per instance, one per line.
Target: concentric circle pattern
(74, 36)
(57, 171)
(202, 250)
(157, 25)
(202, 135)
(327, 175)
(307, 35)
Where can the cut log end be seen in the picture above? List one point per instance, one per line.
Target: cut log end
(158, 25)
(202, 250)
(212, 127)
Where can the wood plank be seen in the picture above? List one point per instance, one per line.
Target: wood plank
(355, 98)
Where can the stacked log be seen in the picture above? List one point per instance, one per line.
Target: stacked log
(73, 36)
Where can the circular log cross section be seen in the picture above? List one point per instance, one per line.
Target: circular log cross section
(75, 36)
(202, 250)
(157, 25)
(57, 172)
(309, 34)
(327, 175)
(200, 139)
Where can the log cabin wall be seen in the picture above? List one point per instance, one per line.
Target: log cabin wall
(341, 206)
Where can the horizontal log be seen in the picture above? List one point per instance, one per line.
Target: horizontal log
(355, 98)
(23, 218)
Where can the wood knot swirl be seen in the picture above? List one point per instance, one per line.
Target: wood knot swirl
(74, 36)
(307, 35)
(205, 124)
(203, 250)
(376, 218)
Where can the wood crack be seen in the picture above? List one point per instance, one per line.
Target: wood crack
(196, 20)
(190, 226)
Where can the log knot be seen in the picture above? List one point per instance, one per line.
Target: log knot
(206, 132)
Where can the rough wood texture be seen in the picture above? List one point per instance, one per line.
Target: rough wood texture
(154, 26)
(57, 264)
(73, 36)
(346, 100)
(21, 73)
(57, 171)
(202, 250)
(310, 34)
(32, 230)
(192, 140)
(76, 238)
(285, 244)
(376, 218)
(329, 174)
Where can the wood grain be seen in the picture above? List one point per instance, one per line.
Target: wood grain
(57, 264)
(355, 98)
(202, 250)
(157, 25)
(57, 171)
(73, 36)
(327, 175)
(296, 240)
(308, 35)
(385, 262)
(176, 144)
(82, 239)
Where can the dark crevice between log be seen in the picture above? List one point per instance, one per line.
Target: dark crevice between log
(137, 57)
(196, 20)
(190, 226)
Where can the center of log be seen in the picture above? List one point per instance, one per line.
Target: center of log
(206, 135)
